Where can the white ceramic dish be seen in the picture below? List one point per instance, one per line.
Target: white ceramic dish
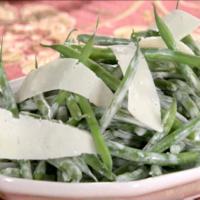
(174, 186)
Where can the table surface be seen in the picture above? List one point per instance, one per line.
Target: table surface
(26, 24)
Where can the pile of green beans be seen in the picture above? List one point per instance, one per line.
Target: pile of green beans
(126, 150)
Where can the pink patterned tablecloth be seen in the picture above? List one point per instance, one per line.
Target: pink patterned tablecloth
(26, 24)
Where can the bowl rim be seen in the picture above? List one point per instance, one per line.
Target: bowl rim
(98, 189)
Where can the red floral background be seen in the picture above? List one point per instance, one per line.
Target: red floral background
(26, 24)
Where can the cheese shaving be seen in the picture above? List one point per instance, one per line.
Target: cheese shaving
(143, 100)
(180, 23)
(65, 74)
(33, 139)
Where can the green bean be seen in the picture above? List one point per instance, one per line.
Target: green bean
(6, 164)
(95, 130)
(5, 89)
(164, 31)
(110, 80)
(184, 87)
(25, 169)
(143, 34)
(62, 114)
(167, 123)
(172, 56)
(177, 136)
(12, 172)
(43, 106)
(58, 101)
(156, 170)
(150, 158)
(104, 55)
(186, 101)
(189, 41)
(166, 75)
(159, 65)
(40, 171)
(165, 103)
(177, 148)
(102, 40)
(94, 162)
(73, 107)
(80, 162)
(28, 105)
(120, 92)
(71, 170)
(87, 49)
(165, 85)
(124, 116)
(184, 69)
(139, 173)
(196, 100)
(192, 145)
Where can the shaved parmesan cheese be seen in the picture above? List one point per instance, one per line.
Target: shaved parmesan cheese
(65, 74)
(157, 42)
(143, 100)
(34, 139)
(180, 23)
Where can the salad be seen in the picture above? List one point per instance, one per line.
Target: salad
(109, 109)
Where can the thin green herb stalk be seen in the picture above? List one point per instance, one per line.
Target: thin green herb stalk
(40, 171)
(189, 41)
(88, 48)
(137, 174)
(106, 76)
(186, 101)
(25, 169)
(167, 122)
(173, 56)
(102, 40)
(120, 93)
(151, 158)
(177, 136)
(95, 130)
(5, 89)
(185, 70)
